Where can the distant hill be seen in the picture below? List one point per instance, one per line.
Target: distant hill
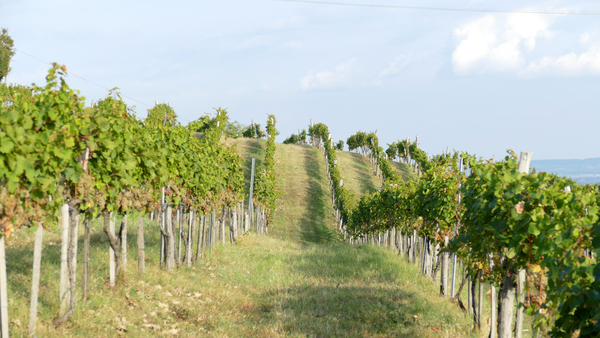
(583, 171)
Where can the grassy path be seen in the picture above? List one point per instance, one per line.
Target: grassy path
(301, 281)
(304, 211)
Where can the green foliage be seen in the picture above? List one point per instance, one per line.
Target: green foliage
(302, 136)
(37, 145)
(43, 139)
(253, 131)
(340, 145)
(389, 207)
(517, 221)
(6, 53)
(369, 144)
(8, 93)
(529, 221)
(213, 128)
(344, 199)
(266, 193)
(161, 114)
(436, 200)
(293, 139)
(234, 129)
(358, 141)
(318, 131)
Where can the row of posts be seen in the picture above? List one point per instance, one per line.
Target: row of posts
(410, 245)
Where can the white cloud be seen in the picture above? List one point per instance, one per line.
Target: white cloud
(327, 79)
(585, 37)
(488, 45)
(392, 69)
(477, 41)
(570, 64)
(396, 66)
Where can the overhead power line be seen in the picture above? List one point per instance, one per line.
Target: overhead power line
(451, 9)
(84, 79)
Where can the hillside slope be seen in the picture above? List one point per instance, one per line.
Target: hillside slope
(357, 173)
(300, 281)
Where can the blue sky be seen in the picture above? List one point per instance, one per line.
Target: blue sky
(472, 81)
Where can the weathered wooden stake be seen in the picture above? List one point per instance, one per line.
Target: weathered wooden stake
(64, 249)
(170, 240)
(200, 244)
(446, 268)
(35, 283)
(190, 241)
(494, 305)
(480, 301)
(111, 252)
(179, 233)
(3, 290)
(162, 224)
(250, 202)
(86, 259)
(141, 248)
(124, 244)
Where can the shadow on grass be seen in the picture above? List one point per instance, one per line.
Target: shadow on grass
(332, 311)
(19, 261)
(404, 170)
(350, 292)
(313, 223)
(365, 175)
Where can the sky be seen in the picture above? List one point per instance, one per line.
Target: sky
(473, 81)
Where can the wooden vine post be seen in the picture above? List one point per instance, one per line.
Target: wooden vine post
(524, 163)
(35, 283)
(200, 243)
(480, 300)
(445, 270)
(456, 225)
(86, 260)
(179, 233)
(111, 251)
(3, 289)
(64, 248)
(71, 262)
(124, 243)
(250, 202)
(494, 301)
(190, 241)
(170, 258)
(141, 248)
(163, 226)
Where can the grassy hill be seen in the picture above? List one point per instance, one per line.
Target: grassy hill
(403, 170)
(357, 173)
(300, 281)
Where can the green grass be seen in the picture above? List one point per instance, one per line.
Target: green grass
(403, 170)
(304, 212)
(357, 173)
(300, 281)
